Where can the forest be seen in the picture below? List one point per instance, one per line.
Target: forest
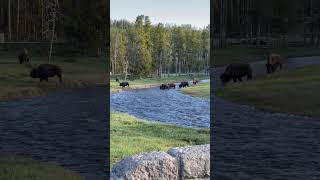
(278, 23)
(80, 24)
(142, 49)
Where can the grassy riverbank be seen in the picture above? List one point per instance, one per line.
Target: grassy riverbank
(201, 90)
(295, 92)
(250, 54)
(16, 83)
(149, 82)
(16, 168)
(130, 135)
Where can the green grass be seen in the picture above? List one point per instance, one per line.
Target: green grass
(149, 82)
(249, 54)
(16, 83)
(17, 168)
(130, 135)
(295, 91)
(201, 90)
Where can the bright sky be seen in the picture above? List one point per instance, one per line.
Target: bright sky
(194, 12)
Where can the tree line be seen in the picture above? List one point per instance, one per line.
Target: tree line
(278, 19)
(143, 49)
(81, 23)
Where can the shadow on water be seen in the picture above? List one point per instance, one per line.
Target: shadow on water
(166, 106)
(67, 128)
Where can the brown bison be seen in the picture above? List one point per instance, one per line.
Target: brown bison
(273, 62)
(44, 71)
(194, 82)
(23, 56)
(236, 72)
(164, 86)
(172, 85)
(184, 84)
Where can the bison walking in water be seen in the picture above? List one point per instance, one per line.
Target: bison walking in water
(183, 84)
(172, 85)
(44, 71)
(273, 62)
(236, 72)
(124, 84)
(164, 86)
(23, 56)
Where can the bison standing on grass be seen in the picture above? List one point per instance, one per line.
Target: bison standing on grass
(183, 84)
(164, 86)
(124, 84)
(23, 56)
(44, 71)
(273, 62)
(236, 72)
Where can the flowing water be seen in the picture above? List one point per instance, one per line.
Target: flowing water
(166, 106)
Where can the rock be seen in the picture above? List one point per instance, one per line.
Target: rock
(153, 165)
(194, 161)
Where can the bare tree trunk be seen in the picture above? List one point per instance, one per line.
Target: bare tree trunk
(176, 65)
(222, 24)
(9, 19)
(52, 36)
(18, 17)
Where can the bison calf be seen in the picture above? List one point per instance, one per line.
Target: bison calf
(44, 71)
(236, 72)
(273, 62)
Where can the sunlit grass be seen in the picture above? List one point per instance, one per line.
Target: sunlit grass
(295, 91)
(200, 90)
(130, 135)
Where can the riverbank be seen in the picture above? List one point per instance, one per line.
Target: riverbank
(291, 91)
(130, 135)
(149, 82)
(78, 72)
(230, 55)
(201, 90)
(15, 168)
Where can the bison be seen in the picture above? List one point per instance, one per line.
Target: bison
(172, 85)
(124, 84)
(236, 72)
(44, 71)
(194, 82)
(23, 56)
(164, 86)
(183, 84)
(273, 62)
(117, 80)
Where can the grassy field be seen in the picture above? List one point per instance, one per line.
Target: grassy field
(201, 90)
(15, 80)
(295, 92)
(130, 136)
(149, 82)
(249, 54)
(16, 168)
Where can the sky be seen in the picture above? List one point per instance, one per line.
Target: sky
(194, 12)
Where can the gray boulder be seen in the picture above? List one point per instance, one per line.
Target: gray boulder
(143, 166)
(194, 161)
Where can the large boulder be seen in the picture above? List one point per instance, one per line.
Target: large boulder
(194, 161)
(153, 165)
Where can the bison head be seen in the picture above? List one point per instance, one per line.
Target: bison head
(225, 78)
(34, 73)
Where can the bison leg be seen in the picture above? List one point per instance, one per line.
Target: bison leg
(60, 78)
